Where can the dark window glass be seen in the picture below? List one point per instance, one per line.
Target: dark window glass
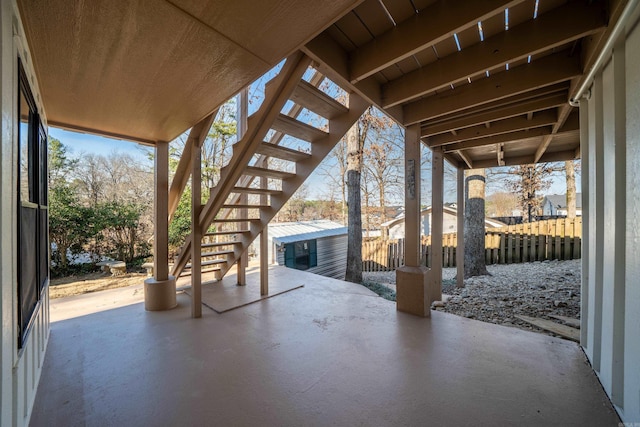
(33, 243)
(301, 255)
(26, 169)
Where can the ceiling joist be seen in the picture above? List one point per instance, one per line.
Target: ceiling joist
(512, 110)
(332, 61)
(571, 125)
(557, 156)
(550, 30)
(432, 25)
(544, 118)
(546, 71)
(563, 115)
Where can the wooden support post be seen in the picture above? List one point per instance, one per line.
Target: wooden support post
(242, 117)
(460, 218)
(160, 290)
(243, 261)
(196, 232)
(412, 294)
(437, 203)
(264, 247)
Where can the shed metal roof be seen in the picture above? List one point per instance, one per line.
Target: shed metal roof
(288, 232)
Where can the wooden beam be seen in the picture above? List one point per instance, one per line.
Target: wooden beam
(437, 216)
(544, 118)
(161, 226)
(563, 114)
(196, 137)
(196, 231)
(557, 156)
(333, 61)
(571, 125)
(430, 26)
(264, 247)
(498, 139)
(538, 100)
(549, 31)
(467, 159)
(500, 112)
(546, 71)
(412, 220)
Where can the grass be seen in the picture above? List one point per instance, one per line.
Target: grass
(381, 290)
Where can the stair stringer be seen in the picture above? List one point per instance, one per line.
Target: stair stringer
(338, 127)
(277, 93)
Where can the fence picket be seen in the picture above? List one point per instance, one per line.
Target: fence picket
(549, 239)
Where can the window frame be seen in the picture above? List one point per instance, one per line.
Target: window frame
(32, 214)
(310, 252)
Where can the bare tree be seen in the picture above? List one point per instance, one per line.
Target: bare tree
(335, 170)
(382, 161)
(528, 182)
(501, 203)
(474, 232)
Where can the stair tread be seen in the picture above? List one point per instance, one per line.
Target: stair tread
(207, 263)
(284, 153)
(313, 99)
(225, 232)
(215, 253)
(256, 190)
(236, 219)
(241, 206)
(216, 244)
(187, 272)
(297, 129)
(268, 173)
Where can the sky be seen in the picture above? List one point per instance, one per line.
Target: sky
(80, 143)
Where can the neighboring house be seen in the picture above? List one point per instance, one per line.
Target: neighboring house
(394, 229)
(556, 204)
(318, 247)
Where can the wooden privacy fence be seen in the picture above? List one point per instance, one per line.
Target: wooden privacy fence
(536, 241)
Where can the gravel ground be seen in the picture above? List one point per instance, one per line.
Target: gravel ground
(537, 289)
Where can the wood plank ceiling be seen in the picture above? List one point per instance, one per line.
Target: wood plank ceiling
(147, 70)
(487, 81)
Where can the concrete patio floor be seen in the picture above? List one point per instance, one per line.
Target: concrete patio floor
(331, 353)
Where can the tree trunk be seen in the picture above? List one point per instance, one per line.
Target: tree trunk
(383, 208)
(354, 237)
(571, 188)
(474, 231)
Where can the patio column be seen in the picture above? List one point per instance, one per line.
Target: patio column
(196, 232)
(460, 232)
(411, 279)
(437, 204)
(242, 127)
(264, 246)
(160, 290)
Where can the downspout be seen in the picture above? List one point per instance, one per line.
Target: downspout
(583, 92)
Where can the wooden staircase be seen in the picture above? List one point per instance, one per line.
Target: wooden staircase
(254, 186)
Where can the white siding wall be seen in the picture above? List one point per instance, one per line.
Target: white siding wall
(332, 257)
(610, 132)
(19, 370)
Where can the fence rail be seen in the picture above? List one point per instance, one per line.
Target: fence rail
(536, 241)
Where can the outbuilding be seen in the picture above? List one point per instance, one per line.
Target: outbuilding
(318, 247)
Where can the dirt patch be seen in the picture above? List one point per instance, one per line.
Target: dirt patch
(93, 282)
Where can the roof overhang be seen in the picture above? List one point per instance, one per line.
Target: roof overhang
(147, 70)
